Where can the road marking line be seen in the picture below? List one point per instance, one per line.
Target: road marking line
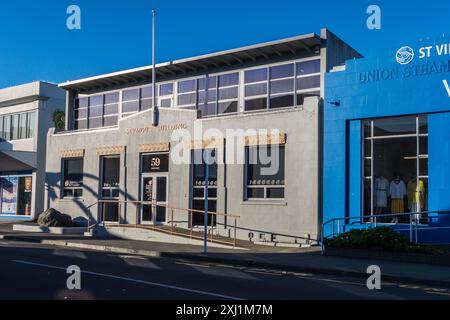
(133, 280)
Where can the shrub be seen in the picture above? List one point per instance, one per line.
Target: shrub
(380, 238)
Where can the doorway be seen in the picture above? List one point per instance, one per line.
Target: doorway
(154, 189)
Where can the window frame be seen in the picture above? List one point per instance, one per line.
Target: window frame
(264, 187)
(63, 187)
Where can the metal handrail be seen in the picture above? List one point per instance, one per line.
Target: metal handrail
(172, 208)
(372, 217)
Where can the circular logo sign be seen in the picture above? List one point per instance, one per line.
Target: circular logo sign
(405, 55)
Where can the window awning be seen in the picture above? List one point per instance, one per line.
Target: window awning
(17, 160)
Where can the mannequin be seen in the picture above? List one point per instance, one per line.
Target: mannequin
(381, 194)
(397, 192)
(416, 196)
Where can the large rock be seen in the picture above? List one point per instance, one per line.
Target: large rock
(54, 218)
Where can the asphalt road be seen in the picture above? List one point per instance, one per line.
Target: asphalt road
(33, 271)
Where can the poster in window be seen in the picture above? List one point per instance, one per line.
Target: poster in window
(9, 195)
(28, 184)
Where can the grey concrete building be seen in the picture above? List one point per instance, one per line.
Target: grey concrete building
(25, 118)
(110, 158)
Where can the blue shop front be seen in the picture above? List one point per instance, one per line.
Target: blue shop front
(387, 143)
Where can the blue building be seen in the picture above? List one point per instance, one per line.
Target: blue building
(387, 142)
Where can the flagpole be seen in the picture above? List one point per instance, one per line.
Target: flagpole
(155, 119)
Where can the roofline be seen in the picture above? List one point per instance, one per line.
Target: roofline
(190, 59)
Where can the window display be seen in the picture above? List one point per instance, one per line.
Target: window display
(395, 157)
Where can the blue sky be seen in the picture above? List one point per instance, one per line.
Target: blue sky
(35, 43)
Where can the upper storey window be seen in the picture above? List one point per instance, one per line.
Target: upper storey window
(17, 126)
(96, 111)
(281, 86)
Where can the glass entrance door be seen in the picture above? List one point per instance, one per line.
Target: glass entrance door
(154, 189)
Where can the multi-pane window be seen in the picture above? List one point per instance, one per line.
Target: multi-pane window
(199, 188)
(265, 172)
(187, 94)
(17, 126)
(307, 80)
(111, 109)
(95, 119)
(281, 86)
(72, 177)
(110, 178)
(81, 113)
(165, 95)
(218, 94)
(130, 102)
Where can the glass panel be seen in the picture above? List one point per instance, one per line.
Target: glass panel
(7, 127)
(147, 92)
(228, 107)
(146, 104)
(308, 67)
(367, 168)
(80, 124)
(367, 128)
(15, 127)
(95, 122)
(255, 89)
(147, 195)
(23, 126)
(275, 193)
(282, 101)
(423, 124)
(95, 111)
(308, 82)
(211, 96)
(166, 103)
(255, 75)
(111, 109)
(187, 99)
(228, 79)
(207, 110)
(282, 86)
(166, 89)
(367, 148)
(31, 124)
(394, 126)
(81, 113)
(161, 189)
(367, 197)
(198, 192)
(283, 71)
(228, 93)
(112, 97)
(111, 213)
(24, 194)
(111, 172)
(131, 106)
(129, 95)
(212, 192)
(186, 86)
(256, 104)
(423, 145)
(423, 166)
(255, 193)
(2, 137)
(82, 103)
(96, 100)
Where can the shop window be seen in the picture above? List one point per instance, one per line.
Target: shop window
(395, 157)
(265, 172)
(72, 177)
(199, 188)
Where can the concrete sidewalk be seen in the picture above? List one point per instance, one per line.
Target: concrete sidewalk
(307, 260)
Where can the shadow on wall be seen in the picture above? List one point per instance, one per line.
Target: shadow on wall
(54, 193)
